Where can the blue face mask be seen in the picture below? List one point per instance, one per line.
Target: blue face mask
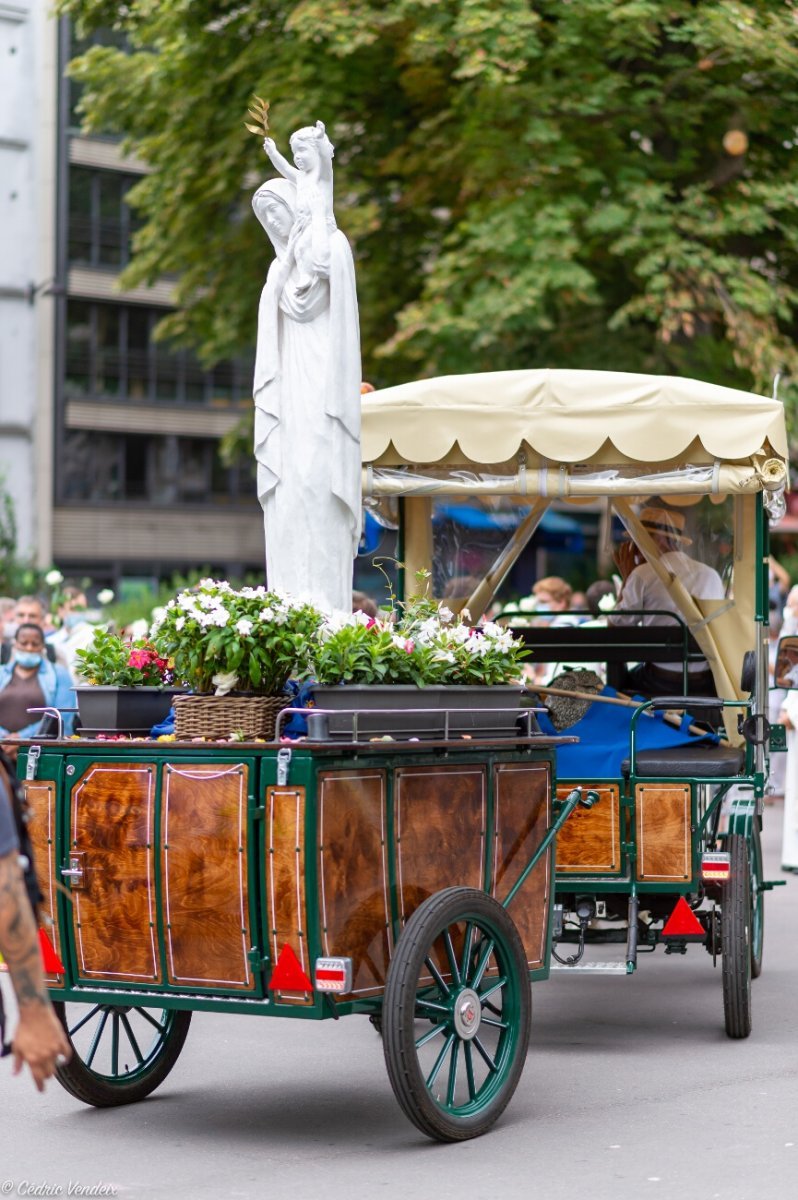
(27, 658)
(73, 619)
(542, 608)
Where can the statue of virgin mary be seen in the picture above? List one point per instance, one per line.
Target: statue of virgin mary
(307, 403)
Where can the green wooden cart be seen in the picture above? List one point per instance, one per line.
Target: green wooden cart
(410, 882)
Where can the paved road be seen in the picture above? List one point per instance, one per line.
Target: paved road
(631, 1090)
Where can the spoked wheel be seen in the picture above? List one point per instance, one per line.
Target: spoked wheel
(119, 1054)
(757, 901)
(736, 940)
(456, 1015)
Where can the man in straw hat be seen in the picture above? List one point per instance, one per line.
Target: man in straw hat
(642, 589)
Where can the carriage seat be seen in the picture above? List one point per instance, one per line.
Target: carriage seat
(704, 761)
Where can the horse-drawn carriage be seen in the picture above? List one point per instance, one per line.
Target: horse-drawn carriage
(415, 881)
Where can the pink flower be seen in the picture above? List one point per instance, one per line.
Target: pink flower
(410, 645)
(372, 621)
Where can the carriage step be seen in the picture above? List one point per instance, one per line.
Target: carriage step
(591, 968)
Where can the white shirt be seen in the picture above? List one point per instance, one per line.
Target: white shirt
(645, 590)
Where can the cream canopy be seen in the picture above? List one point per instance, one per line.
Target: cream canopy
(568, 417)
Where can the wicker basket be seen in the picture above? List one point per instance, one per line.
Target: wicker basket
(221, 716)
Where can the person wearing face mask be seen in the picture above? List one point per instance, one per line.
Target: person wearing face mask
(75, 632)
(30, 680)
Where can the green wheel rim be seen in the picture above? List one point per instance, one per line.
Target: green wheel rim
(757, 901)
(119, 1045)
(465, 1060)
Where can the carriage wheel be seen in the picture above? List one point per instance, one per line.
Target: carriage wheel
(757, 901)
(119, 1053)
(456, 1015)
(736, 940)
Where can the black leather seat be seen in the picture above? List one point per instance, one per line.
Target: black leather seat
(705, 761)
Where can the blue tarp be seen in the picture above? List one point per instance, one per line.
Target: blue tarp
(555, 529)
(604, 739)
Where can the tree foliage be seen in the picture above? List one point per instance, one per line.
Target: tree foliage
(586, 183)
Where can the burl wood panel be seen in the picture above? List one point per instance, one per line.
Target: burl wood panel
(522, 804)
(112, 815)
(439, 822)
(285, 881)
(662, 821)
(353, 879)
(40, 795)
(204, 866)
(590, 840)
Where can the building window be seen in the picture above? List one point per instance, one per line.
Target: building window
(154, 469)
(112, 355)
(101, 224)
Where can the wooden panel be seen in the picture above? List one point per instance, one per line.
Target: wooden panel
(522, 804)
(439, 820)
(353, 882)
(590, 840)
(41, 828)
(204, 870)
(662, 820)
(285, 880)
(112, 811)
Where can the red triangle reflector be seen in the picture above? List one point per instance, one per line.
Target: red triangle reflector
(683, 922)
(50, 961)
(288, 975)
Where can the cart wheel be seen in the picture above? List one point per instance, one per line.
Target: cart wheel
(757, 902)
(119, 1054)
(456, 1014)
(736, 941)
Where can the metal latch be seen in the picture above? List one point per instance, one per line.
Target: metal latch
(74, 872)
(33, 762)
(283, 763)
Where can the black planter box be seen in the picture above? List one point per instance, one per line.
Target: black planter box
(475, 710)
(106, 709)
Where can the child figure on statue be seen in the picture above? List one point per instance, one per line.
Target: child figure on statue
(312, 176)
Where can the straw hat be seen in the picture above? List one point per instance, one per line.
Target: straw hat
(669, 521)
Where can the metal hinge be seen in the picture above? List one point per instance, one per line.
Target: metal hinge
(283, 763)
(258, 961)
(33, 762)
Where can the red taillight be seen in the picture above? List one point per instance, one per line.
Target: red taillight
(715, 866)
(333, 974)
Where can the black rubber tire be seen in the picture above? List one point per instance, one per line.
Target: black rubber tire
(736, 940)
(757, 901)
(454, 911)
(104, 1090)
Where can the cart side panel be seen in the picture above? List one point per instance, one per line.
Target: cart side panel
(590, 840)
(204, 873)
(662, 826)
(285, 881)
(353, 874)
(522, 808)
(112, 814)
(41, 797)
(440, 815)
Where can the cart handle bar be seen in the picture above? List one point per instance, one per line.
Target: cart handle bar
(574, 798)
(354, 713)
(57, 714)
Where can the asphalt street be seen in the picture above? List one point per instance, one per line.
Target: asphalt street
(631, 1090)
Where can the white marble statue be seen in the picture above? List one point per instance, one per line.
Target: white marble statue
(307, 382)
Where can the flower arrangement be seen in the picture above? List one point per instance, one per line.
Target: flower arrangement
(220, 639)
(421, 643)
(110, 660)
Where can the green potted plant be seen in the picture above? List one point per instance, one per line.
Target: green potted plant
(422, 657)
(128, 688)
(236, 648)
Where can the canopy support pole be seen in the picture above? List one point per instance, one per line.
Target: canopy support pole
(482, 595)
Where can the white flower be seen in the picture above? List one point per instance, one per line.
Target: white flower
(607, 603)
(179, 623)
(528, 604)
(445, 614)
(105, 596)
(219, 617)
(244, 626)
(224, 682)
(266, 614)
(157, 616)
(138, 629)
(187, 601)
(444, 656)
(362, 618)
(53, 578)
